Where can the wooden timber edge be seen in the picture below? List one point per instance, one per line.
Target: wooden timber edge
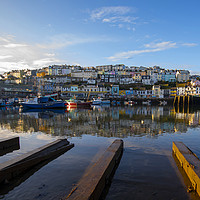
(13, 168)
(8, 142)
(189, 162)
(8, 145)
(94, 180)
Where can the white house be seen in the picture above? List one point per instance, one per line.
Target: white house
(157, 92)
(146, 80)
(144, 93)
(198, 91)
(181, 91)
(190, 90)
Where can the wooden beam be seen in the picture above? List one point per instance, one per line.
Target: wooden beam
(8, 142)
(95, 178)
(189, 162)
(8, 145)
(12, 168)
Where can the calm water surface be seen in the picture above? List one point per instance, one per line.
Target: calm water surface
(147, 169)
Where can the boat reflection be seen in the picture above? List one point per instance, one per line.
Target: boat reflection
(75, 108)
(42, 113)
(100, 107)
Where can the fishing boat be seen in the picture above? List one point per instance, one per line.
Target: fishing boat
(73, 103)
(96, 101)
(82, 104)
(4, 103)
(100, 101)
(148, 102)
(8, 102)
(43, 103)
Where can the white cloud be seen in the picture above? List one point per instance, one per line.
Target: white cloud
(14, 45)
(120, 19)
(105, 11)
(17, 55)
(50, 54)
(20, 55)
(152, 47)
(161, 45)
(115, 15)
(6, 38)
(190, 44)
(5, 57)
(45, 61)
(65, 40)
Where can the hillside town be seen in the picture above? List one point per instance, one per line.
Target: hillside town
(103, 81)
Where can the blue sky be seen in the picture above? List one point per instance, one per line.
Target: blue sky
(38, 33)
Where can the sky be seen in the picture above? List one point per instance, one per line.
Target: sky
(39, 33)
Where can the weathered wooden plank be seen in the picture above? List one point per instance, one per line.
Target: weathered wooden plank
(8, 145)
(16, 166)
(189, 162)
(95, 178)
(9, 142)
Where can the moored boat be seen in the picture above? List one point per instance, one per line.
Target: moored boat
(81, 104)
(73, 103)
(100, 101)
(42, 103)
(96, 101)
(148, 102)
(8, 102)
(105, 101)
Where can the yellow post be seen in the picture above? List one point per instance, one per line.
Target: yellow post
(88, 96)
(178, 103)
(183, 103)
(189, 162)
(174, 100)
(188, 110)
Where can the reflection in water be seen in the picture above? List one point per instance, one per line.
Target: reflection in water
(22, 176)
(101, 121)
(151, 173)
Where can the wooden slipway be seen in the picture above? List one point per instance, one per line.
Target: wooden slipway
(8, 145)
(189, 162)
(95, 178)
(12, 168)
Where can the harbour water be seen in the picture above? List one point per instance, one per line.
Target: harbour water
(147, 169)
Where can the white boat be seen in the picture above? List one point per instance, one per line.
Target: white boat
(96, 102)
(148, 103)
(100, 101)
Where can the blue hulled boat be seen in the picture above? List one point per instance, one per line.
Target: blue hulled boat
(43, 103)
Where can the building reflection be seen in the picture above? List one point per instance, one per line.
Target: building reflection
(101, 121)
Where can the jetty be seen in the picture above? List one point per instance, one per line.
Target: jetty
(8, 145)
(190, 163)
(21, 164)
(98, 175)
